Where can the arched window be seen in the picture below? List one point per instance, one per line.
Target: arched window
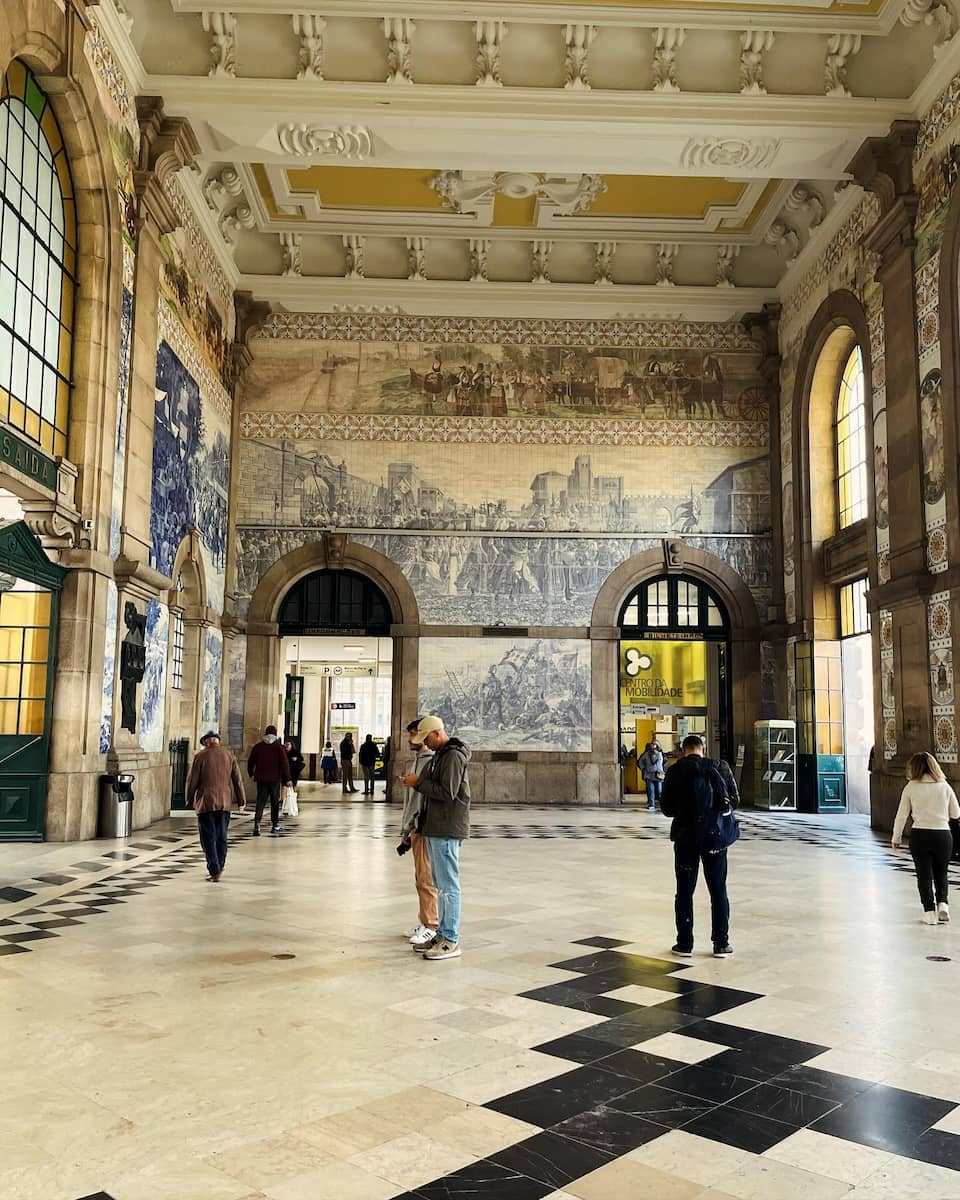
(851, 440)
(38, 251)
(676, 604)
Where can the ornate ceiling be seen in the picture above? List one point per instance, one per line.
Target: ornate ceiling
(529, 155)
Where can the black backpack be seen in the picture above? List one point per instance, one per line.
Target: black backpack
(716, 826)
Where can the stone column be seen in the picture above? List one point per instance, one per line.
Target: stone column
(884, 166)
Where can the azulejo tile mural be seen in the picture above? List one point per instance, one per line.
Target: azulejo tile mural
(212, 676)
(191, 472)
(411, 485)
(153, 690)
(109, 668)
(510, 694)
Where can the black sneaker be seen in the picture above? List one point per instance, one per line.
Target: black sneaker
(274, 829)
(682, 951)
(722, 951)
(256, 830)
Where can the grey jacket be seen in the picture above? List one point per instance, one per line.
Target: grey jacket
(445, 788)
(414, 801)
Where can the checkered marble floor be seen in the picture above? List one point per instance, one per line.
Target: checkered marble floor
(273, 1038)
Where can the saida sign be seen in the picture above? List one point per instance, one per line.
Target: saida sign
(670, 673)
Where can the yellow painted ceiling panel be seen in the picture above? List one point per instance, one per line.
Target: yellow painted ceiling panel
(367, 187)
(664, 196)
(513, 213)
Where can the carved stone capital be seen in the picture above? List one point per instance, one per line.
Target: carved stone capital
(894, 234)
(167, 144)
(251, 315)
(238, 363)
(884, 165)
(55, 519)
(763, 329)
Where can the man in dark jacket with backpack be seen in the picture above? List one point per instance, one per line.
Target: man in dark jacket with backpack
(695, 795)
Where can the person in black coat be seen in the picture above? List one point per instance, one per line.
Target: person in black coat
(369, 753)
(295, 759)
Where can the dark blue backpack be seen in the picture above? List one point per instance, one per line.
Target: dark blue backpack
(717, 826)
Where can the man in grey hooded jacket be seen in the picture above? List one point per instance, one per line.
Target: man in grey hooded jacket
(445, 823)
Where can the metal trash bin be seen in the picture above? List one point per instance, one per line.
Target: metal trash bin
(115, 813)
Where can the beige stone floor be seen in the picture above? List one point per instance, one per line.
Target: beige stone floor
(158, 1050)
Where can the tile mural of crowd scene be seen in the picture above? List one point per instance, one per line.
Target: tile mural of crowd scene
(504, 488)
(487, 380)
(191, 473)
(468, 580)
(510, 694)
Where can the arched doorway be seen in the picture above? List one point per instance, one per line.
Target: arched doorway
(343, 607)
(337, 658)
(674, 676)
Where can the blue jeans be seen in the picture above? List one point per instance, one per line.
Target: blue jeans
(445, 868)
(687, 860)
(213, 838)
(654, 789)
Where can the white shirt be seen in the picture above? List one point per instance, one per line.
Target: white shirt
(931, 805)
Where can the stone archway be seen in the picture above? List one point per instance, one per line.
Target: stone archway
(334, 552)
(745, 633)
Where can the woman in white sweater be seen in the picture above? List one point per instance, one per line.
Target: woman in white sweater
(932, 803)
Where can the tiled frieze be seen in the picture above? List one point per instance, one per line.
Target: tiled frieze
(942, 682)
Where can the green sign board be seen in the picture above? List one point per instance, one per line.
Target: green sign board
(27, 459)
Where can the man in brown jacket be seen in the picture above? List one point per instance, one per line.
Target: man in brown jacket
(214, 786)
(269, 766)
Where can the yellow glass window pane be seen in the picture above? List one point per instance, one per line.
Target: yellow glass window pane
(36, 645)
(66, 301)
(11, 644)
(8, 716)
(69, 210)
(32, 713)
(63, 352)
(18, 413)
(34, 681)
(9, 679)
(32, 425)
(16, 78)
(60, 445)
(70, 263)
(46, 436)
(51, 131)
(25, 608)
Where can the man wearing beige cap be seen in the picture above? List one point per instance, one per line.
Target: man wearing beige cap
(445, 823)
(213, 789)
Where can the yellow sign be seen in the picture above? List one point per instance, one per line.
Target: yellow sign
(663, 673)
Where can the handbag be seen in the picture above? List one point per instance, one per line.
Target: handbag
(291, 805)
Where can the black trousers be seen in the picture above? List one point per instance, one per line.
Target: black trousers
(271, 792)
(687, 861)
(931, 850)
(213, 828)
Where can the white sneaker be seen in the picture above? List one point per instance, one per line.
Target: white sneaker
(930, 918)
(423, 936)
(414, 933)
(943, 912)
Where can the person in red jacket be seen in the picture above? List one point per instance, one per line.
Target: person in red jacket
(269, 766)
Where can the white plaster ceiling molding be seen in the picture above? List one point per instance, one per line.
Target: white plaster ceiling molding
(755, 44)
(666, 256)
(291, 248)
(940, 14)
(309, 28)
(667, 41)
(490, 35)
(472, 193)
(540, 261)
(840, 48)
(399, 34)
(576, 39)
(315, 141)
(225, 192)
(479, 249)
(730, 153)
(416, 255)
(726, 262)
(222, 27)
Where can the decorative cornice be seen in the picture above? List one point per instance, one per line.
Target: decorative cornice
(884, 165)
(507, 431)
(167, 144)
(521, 331)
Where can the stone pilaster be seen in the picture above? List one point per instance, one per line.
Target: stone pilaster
(884, 166)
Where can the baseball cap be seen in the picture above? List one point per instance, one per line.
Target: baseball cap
(211, 733)
(429, 725)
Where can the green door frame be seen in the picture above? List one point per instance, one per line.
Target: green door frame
(24, 758)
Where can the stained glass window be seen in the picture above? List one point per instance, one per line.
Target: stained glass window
(852, 443)
(38, 255)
